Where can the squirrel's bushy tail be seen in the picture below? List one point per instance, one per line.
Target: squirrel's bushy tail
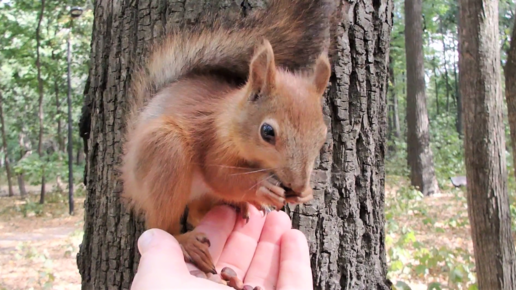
(298, 31)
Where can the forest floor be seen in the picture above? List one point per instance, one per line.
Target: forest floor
(39, 243)
(427, 239)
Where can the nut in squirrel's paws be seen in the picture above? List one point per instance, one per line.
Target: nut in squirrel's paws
(293, 197)
(195, 247)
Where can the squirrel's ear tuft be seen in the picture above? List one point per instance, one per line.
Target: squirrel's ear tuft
(322, 73)
(262, 73)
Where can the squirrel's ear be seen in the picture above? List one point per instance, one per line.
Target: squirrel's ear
(322, 73)
(262, 71)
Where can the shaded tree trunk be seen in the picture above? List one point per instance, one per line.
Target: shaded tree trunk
(344, 224)
(392, 113)
(419, 153)
(40, 92)
(21, 185)
(484, 143)
(79, 158)
(394, 103)
(23, 153)
(4, 147)
(436, 85)
(458, 121)
(445, 66)
(60, 139)
(510, 90)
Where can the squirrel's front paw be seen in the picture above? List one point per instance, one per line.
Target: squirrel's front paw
(304, 197)
(195, 247)
(270, 196)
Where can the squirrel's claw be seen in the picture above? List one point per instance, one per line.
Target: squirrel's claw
(265, 209)
(195, 250)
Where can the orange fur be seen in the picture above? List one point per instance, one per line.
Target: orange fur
(193, 136)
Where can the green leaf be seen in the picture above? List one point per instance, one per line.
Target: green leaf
(400, 285)
(434, 286)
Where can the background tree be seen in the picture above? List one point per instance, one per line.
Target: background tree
(40, 99)
(4, 147)
(419, 153)
(510, 89)
(484, 143)
(344, 224)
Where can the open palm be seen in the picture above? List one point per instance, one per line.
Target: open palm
(266, 252)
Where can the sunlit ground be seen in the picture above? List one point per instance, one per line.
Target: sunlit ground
(428, 239)
(38, 244)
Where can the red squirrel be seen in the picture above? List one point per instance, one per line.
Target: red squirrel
(229, 112)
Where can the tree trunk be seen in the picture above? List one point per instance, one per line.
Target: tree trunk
(21, 185)
(510, 91)
(484, 139)
(79, 158)
(419, 153)
(40, 92)
(23, 153)
(397, 128)
(60, 139)
(458, 121)
(344, 224)
(436, 86)
(4, 147)
(447, 83)
(394, 102)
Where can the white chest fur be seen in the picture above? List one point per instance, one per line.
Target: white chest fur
(199, 186)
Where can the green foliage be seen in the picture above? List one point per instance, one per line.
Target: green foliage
(46, 275)
(19, 85)
(31, 208)
(448, 149)
(441, 70)
(410, 257)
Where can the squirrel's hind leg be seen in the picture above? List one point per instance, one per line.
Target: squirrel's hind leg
(162, 182)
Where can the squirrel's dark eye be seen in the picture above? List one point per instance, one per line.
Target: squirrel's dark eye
(267, 133)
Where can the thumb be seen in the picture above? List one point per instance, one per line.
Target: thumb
(161, 263)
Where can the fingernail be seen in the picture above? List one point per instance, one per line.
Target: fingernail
(145, 240)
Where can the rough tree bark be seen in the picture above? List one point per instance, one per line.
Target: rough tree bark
(484, 143)
(344, 224)
(40, 93)
(419, 153)
(4, 147)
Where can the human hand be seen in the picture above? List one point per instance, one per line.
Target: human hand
(266, 252)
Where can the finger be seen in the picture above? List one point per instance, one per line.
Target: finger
(217, 224)
(161, 260)
(264, 268)
(294, 266)
(241, 244)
